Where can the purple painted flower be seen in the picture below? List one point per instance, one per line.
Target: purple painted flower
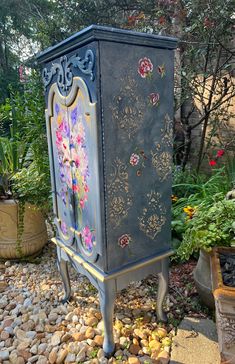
(64, 228)
(57, 109)
(74, 115)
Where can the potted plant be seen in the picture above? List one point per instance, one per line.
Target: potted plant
(24, 176)
(223, 285)
(211, 226)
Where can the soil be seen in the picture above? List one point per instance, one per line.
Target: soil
(227, 263)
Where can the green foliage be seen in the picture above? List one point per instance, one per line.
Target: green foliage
(209, 227)
(24, 166)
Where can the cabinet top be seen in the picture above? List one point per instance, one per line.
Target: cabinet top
(96, 32)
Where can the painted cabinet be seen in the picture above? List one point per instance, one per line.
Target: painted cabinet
(109, 97)
(109, 112)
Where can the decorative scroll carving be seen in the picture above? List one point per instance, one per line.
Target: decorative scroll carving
(153, 215)
(128, 108)
(120, 199)
(227, 325)
(63, 71)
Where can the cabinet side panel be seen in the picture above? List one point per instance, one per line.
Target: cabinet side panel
(137, 93)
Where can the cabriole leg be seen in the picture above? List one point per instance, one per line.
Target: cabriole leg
(63, 269)
(107, 295)
(162, 289)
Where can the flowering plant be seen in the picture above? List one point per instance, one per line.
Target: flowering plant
(209, 227)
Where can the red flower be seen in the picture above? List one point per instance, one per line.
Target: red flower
(212, 163)
(124, 240)
(145, 67)
(220, 153)
(154, 98)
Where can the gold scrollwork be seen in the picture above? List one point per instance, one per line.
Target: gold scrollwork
(153, 216)
(119, 196)
(128, 109)
(161, 157)
(167, 132)
(162, 162)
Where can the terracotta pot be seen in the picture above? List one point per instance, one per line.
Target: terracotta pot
(225, 308)
(35, 232)
(202, 278)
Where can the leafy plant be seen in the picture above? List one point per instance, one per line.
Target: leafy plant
(209, 227)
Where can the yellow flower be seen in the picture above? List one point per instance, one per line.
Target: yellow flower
(190, 211)
(174, 198)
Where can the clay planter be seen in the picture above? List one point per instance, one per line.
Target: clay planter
(35, 232)
(225, 308)
(202, 279)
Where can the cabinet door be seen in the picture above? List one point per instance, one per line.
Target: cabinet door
(72, 136)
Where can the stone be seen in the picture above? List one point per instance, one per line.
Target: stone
(90, 333)
(24, 353)
(78, 336)
(66, 337)
(75, 319)
(53, 317)
(100, 354)
(34, 349)
(7, 322)
(23, 345)
(56, 338)
(81, 355)
(52, 357)
(33, 359)
(3, 286)
(4, 335)
(134, 349)
(98, 339)
(42, 348)
(155, 345)
(61, 356)
(29, 325)
(140, 333)
(133, 360)
(163, 358)
(4, 355)
(42, 360)
(31, 334)
(70, 358)
(3, 302)
(91, 321)
(19, 360)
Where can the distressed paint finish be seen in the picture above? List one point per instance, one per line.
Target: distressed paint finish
(109, 96)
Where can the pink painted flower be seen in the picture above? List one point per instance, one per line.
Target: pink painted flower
(212, 163)
(124, 240)
(134, 159)
(220, 153)
(145, 67)
(82, 203)
(154, 98)
(59, 137)
(88, 238)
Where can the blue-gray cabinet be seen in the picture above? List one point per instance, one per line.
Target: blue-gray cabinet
(109, 113)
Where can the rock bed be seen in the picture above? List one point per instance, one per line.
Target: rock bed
(227, 262)
(36, 328)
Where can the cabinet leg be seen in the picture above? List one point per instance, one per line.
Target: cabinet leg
(162, 289)
(63, 269)
(107, 295)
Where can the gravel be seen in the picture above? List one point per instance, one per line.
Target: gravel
(35, 327)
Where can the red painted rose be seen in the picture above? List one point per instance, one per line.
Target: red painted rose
(124, 240)
(154, 98)
(134, 159)
(145, 67)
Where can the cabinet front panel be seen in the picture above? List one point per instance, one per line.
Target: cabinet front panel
(72, 129)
